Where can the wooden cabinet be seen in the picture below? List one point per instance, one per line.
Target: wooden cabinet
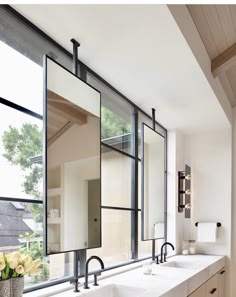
(200, 292)
(214, 287)
(221, 282)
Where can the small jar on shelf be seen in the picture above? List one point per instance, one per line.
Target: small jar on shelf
(185, 247)
(192, 247)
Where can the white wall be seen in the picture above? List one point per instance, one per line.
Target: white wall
(233, 242)
(175, 226)
(209, 155)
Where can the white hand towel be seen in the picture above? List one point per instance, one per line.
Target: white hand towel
(159, 230)
(206, 232)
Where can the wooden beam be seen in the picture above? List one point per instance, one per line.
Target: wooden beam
(224, 61)
(68, 112)
(59, 133)
(53, 97)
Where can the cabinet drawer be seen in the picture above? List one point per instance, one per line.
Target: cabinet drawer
(222, 274)
(212, 287)
(200, 292)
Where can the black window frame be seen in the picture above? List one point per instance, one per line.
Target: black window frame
(134, 156)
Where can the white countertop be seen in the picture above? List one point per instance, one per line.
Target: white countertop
(164, 281)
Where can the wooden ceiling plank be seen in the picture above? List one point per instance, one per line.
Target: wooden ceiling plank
(232, 9)
(226, 21)
(224, 61)
(227, 88)
(55, 98)
(59, 133)
(215, 26)
(68, 113)
(231, 75)
(203, 29)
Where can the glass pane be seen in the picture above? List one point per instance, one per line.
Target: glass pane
(116, 178)
(142, 118)
(116, 117)
(20, 154)
(145, 247)
(22, 79)
(116, 238)
(21, 229)
(139, 185)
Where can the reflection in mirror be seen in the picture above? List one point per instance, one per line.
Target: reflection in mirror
(153, 184)
(73, 195)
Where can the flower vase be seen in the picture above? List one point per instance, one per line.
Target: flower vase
(17, 286)
(5, 288)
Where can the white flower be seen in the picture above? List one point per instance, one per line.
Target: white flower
(28, 267)
(17, 255)
(2, 263)
(36, 263)
(27, 260)
(20, 269)
(35, 271)
(13, 262)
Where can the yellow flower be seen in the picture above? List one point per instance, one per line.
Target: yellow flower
(13, 262)
(28, 267)
(35, 271)
(36, 263)
(8, 256)
(2, 263)
(17, 255)
(27, 260)
(20, 269)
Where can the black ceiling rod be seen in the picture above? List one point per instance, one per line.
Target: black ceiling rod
(76, 45)
(154, 119)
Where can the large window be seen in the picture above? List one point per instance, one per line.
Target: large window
(21, 118)
(21, 146)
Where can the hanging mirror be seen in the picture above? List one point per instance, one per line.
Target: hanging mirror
(153, 184)
(72, 161)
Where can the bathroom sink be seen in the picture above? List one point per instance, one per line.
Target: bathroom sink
(114, 291)
(182, 264)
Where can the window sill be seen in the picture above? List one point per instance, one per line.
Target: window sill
(66, 289)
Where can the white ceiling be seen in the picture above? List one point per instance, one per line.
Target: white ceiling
(140, 50)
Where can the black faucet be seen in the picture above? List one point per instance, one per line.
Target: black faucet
(162, 247)
(96, 274)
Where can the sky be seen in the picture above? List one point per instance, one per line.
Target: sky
(21, 81)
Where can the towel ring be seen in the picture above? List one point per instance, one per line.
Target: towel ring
(218, 224)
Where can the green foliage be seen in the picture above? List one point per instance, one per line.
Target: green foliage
(5, 273)
(112, 124)
(20, 145)
(36, 252)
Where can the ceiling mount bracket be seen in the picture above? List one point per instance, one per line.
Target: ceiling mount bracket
(76, 45)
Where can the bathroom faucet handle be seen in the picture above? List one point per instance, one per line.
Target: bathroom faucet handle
(165, 257)
(157, 259)
(96, 278)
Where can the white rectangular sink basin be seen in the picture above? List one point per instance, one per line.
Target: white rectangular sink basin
(182, 264)
(113, 290)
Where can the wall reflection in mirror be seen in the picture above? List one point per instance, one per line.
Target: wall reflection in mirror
(73, 196)
(153, 184)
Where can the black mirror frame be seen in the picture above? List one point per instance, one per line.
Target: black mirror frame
(142, 186)
(45, 234)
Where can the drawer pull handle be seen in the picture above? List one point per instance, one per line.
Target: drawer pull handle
(213, 291)
(222, 272)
